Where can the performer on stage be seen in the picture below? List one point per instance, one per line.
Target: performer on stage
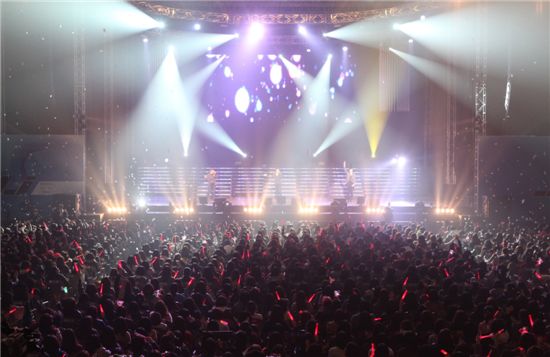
(349, 185)
(211, 180)
(277, 177)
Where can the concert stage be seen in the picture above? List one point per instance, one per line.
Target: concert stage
(320, 189)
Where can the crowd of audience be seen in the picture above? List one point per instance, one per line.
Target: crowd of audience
(74, 287)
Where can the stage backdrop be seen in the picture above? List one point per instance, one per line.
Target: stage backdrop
(515, 175)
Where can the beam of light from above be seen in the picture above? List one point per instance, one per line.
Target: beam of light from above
(343, 127)
(443, 76)
(188, 107)
(452, 35)
(298, 75)
(215, 132)
(190, 45)
(365, 33)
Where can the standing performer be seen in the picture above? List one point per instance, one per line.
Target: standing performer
(349, 184)
(277, 183)
(211, 180)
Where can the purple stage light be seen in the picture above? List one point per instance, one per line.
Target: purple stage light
(256, 32)
(302, 30)
(197, 27)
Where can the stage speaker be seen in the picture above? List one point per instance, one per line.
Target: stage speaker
(339, 203)
(203, 200)
(221, 204)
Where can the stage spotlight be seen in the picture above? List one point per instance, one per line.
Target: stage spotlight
(302, 30)
(374, 211)
(345, 48)
(308, 210)
(410, 40)
(373, 155)
(401, 160)
(141, 202)
(325, 34)
(116, 210)
(197, 27)
(253, 210)
(170, 49)
(161, 25)
(329, 56)
(422, 18)
(184, 211)
(396, 26)
(145, 40)
(244, 155)
(440, 211)
(236, 35)
(256, 31)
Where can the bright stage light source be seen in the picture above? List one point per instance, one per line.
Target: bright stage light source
(244, 155)
(345, 48)
(422, 18)
(441, 211)
(161, 25)
(197, 27)
(329, 56)
(410, 40)
(375, 211)
(253, 210)
(184, 211)
(236, 35)
(256, 31)
(170, 49)
(401, 160)
(325, 34)
(396, 26)
(302, 30)
(116, 210)
(141, 202)
(308, 210)
(145, 40)
(373, 155)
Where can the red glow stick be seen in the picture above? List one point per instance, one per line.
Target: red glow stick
(311, 298)
(531, 321)
(496, 314)
(12, 310)
(277, 295)
(537, 274)
(161, 237)
(539, 262)
(33, 291)
(247, 254)
(101, 310)
(190, 281)
(101, 289)
(327, 261)
(223, 322)
(316, 332)
(443, 352)
(176, 274)
(446, 272)
(76, 267)
(239, 281)
(120, 264)
(290, 316)
(483, 337)
(372, 350)
(153, 261)
(136, 260)
(404, 295)
(450, 260)
(405, 281)
(478, 276)
(523, 331)
(243, 255)
(81, 260)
